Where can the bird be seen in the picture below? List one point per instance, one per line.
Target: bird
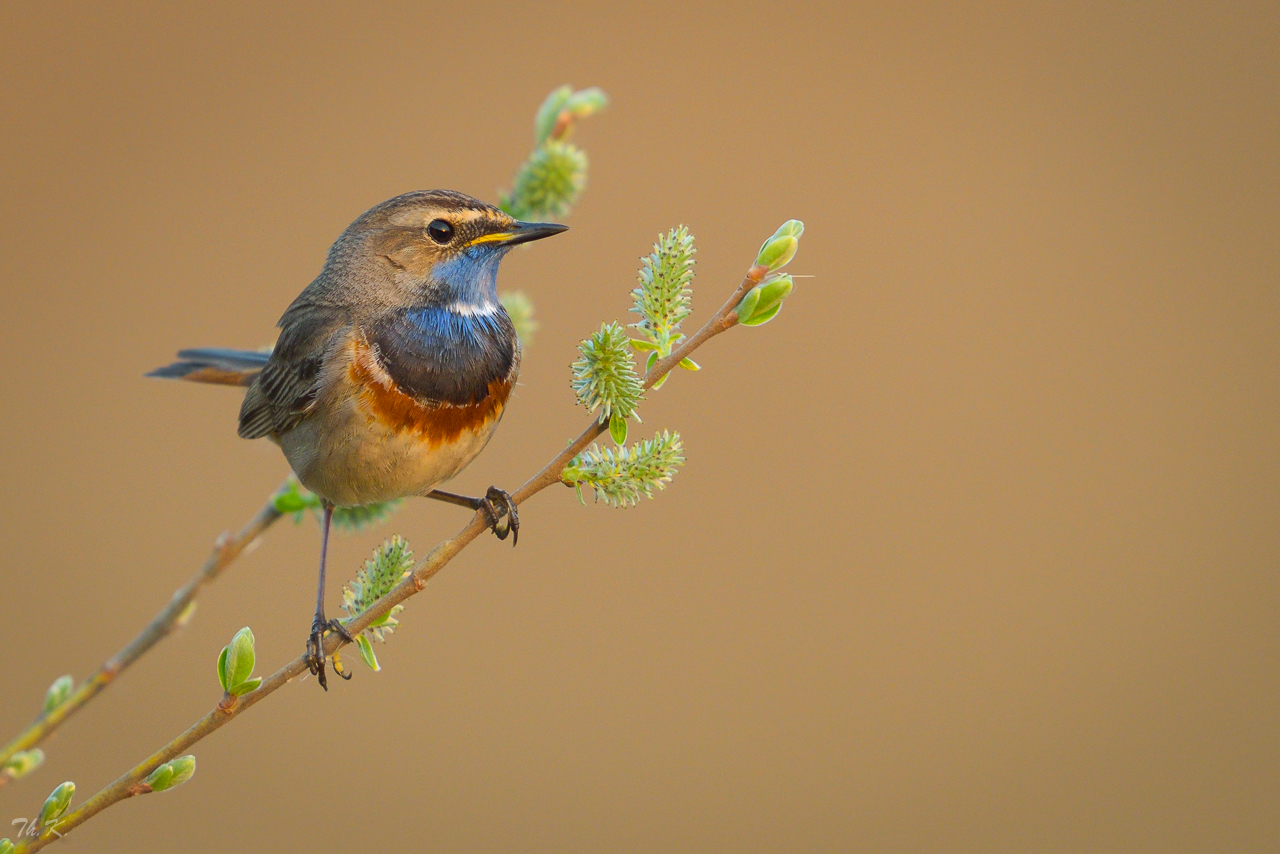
(392, 368)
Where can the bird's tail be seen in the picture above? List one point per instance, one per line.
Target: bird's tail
(215, 365)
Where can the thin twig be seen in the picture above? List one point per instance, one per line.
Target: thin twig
(226, 549)
(231, 707)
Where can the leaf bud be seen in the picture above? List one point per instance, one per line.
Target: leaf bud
(58, 693)
(236, 663)
(776, 252)
(56, 804)
(764, 301)
(22, 763)
(172, 773)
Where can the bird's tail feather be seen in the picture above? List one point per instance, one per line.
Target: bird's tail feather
(215, 365)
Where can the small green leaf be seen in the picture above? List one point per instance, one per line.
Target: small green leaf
(183, 768)
(171, 774)
(58, 693)
(240, 657)
(760, 318)
(641, 344)
(6, 847)
(366, 652)
(545, 119)
(222, 669)
(764, 300)
(792, 227)
(618, 429)
(292, 498)
(159, 779)
(774, 291)
(586, 102)
(56, 804)
(22, 763)
(662, 380)
(747, 305)
(689, 364)
(776, 252)
(246, 686)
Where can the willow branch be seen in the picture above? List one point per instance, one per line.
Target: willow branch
(230, 707)
(226, 549)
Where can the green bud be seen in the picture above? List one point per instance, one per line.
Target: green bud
(291, 498)
(6, 847)
(618, 429)
(58, 693)
(747, 305)
(172, 773)
(158, 780)
(235, 664)
(183, 769)
(366, 652)
(689, 364)
(545, 119)
(773, 292)
(246, 686)
(764, 301)
(586, 102)
(222, 669)
(776, 252)
(56, 804)
(23, 763)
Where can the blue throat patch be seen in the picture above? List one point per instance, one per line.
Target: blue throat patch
(470, 278)
(438, 354)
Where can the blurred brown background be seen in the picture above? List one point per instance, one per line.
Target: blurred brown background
(976, 548)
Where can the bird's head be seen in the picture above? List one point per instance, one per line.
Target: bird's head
(438, 247)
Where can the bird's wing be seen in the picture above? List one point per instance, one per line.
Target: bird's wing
(288, 385)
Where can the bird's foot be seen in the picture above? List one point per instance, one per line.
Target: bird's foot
(315, 648)
(501, 510)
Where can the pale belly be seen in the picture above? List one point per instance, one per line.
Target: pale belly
(356, 459)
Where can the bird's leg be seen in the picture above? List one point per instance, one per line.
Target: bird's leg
(497, 505)
(315, 643)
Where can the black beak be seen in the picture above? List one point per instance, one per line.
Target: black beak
(523, 232)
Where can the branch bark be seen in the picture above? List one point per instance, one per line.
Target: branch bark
(231, 707)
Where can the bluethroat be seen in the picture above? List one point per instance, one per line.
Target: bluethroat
(392, 368)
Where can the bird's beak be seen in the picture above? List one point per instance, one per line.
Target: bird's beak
(520, 232)
(527, 231)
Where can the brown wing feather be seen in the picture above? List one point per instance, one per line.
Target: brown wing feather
(287, 386)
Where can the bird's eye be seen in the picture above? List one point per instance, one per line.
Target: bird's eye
(440, 231)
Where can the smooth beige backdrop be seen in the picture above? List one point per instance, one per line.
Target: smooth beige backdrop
(976, 548)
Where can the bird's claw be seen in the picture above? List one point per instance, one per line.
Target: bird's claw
(315, 648)
(501, 510)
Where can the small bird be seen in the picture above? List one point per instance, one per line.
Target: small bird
(392, 368)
